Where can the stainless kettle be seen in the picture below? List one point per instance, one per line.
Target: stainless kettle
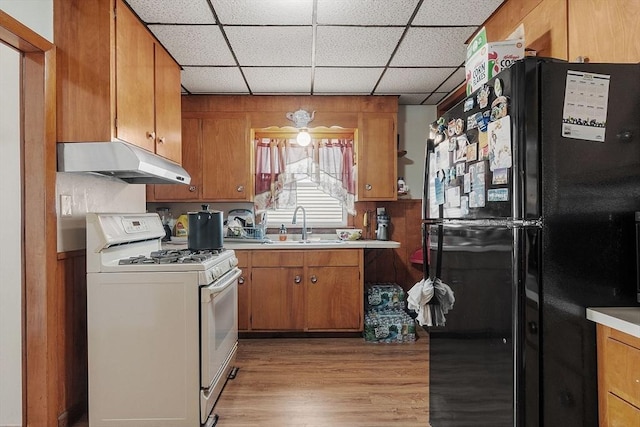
(205, 229)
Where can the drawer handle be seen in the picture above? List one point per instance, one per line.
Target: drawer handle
(314, 279)
(368, 187)
(151, 135)
(240, 188)
(297, 279)
(241, 280)
(192, 188)
(161, 140)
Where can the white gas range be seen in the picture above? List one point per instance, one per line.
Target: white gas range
(161, 325)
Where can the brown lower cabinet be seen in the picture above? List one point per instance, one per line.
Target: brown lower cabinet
(618, 378)
(301, 290)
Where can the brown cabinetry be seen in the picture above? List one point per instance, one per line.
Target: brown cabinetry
(217, 153)
(309, 291)
(377, 157)
(618, 378)
(114, 80)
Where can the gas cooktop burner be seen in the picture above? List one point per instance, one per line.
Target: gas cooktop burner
(170, 256)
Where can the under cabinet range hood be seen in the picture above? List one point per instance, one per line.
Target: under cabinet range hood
(127, 162)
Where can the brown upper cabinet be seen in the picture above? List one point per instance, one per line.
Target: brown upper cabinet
(114, 80)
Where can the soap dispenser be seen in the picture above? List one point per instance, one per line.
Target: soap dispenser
(282, 236)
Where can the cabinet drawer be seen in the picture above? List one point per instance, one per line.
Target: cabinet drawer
(623, 370)
(262, 258)
(621, 414)
(337, 258)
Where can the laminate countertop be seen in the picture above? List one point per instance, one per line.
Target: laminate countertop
(624, 319)
(316, 243)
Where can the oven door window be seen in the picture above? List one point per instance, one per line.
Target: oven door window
(219, 325)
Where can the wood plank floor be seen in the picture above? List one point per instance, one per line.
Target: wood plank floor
(337, 382)
(327, 382)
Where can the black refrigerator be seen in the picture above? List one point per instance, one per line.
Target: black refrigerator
(531, 186)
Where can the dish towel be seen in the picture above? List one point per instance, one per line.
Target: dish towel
(422, 293)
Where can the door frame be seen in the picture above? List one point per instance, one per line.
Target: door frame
(40, 394)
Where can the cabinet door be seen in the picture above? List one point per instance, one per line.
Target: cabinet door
(167, 106)
(226, 160)
(377, 157)
(277, 298)
(334, 298)
(244, 290)
(191, 161)
(134, 80)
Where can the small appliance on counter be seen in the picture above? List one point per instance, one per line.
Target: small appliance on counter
(382, 219)
(167, 218)
(205, 229)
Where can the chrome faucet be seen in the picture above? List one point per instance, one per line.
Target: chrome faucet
(304, 221)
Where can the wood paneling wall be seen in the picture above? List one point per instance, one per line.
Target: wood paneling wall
(71, 336)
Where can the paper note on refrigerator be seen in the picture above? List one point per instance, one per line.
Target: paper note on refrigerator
(500, 143)
(586, 97)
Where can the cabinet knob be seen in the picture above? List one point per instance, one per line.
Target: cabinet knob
(368, 187)
(161, 140)
(241, 280)
(297, 279)
(151, 135)
(192, 188)
(314, 279)
(240, 188)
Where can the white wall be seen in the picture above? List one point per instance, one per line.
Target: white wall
(11, 247)
(413, 128)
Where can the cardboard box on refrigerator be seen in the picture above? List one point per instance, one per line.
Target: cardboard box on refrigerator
(485, 60)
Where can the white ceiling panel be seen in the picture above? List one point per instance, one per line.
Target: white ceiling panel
(213, 80)
(355, 46)
(318, 46)
(412, 80)
(455, 12)
(264, 12)
(412, 98)
(194, 45)
(365, 12)
(173, 11)
(346, 80)
(276, 79)
(424, 47)
(271, 46)
(453, 82)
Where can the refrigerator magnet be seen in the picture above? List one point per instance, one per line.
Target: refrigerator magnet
(498, 195)
(483, 146)
(483, 96)
(459, 126)
(500, 176)
(453, 197)
(497, 87)
(498, 108)
(469, 103)
(460, 169)
(499, 133)
(476, 199)
(460, 153)
(472, 152)
(472, 122)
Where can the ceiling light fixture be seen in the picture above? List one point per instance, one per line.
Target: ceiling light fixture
(301, 119)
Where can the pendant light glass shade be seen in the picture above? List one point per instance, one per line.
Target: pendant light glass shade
(303, 139)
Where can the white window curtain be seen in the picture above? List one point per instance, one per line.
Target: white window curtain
(281, 163)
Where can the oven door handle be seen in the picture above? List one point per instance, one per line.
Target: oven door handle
(215, 288)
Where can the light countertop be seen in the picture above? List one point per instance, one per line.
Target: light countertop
(315, 243)
(624, 319)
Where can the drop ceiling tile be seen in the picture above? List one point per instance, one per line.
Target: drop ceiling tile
(433, 47)
(194, 45)
(355, 46)
(412, 98)
(454, 81)
(365, 12)
(213, 80)
(271, 46)
(264, 80)
(346, 80)
(416, 80)
(264, 12)
(436, 97)
(173, 12)
(455, 12)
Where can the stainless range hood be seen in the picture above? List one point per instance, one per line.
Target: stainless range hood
(121, 160)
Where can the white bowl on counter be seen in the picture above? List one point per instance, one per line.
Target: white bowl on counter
(349, 233)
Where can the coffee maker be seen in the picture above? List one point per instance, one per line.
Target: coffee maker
(382, 219)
